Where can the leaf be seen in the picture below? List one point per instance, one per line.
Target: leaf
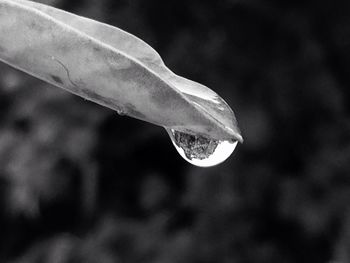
(109, 66)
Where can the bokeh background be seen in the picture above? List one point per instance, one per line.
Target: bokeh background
(79, 183)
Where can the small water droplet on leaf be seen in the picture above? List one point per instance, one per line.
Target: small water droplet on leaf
(120, 111)
(199, 150)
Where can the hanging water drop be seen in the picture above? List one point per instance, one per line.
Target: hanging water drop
(199, 150)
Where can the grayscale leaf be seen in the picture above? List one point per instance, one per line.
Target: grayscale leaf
(109, 66)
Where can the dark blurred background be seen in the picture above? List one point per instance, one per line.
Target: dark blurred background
(79, 183)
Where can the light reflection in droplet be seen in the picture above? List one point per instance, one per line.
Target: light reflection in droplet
(199, 150)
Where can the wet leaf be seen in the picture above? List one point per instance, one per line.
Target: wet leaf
(110, 67)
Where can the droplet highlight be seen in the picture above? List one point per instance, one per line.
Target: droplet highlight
(199, 150)
(120, 111)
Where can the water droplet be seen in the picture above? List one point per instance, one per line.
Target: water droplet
(120, 111)
(199, 150)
